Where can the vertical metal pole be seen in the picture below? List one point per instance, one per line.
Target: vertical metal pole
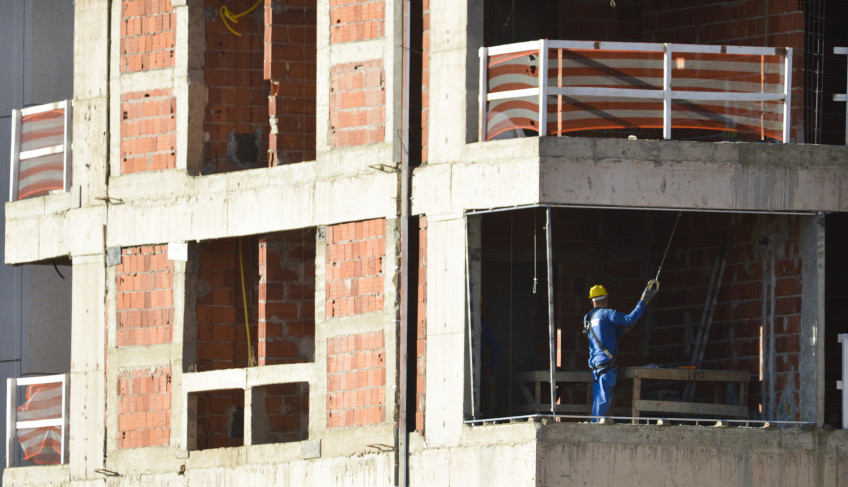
(402, 435)
(840, 384)
(787, 95)
(66, 389)
(67, 147)
(468, 318)
(483, 112)
(15, 156)
(667, 92)
(543, 87)
(559, 97)
(11, 418)
(843, 96)
(551, 333)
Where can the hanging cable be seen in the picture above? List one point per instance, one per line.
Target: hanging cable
(227, 14)
(250, 361)
(655, 282)
(535, 260)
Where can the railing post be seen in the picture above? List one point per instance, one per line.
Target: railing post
(843, 96)
(66, 389)
(543, 87)
(843, 384)
(787, 95)
(67, 157)
(11, 418)
(483, 122)
(15, 156)
(667, 92)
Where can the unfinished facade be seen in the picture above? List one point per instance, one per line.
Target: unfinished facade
(349, 242)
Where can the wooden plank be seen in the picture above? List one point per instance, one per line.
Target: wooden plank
(695, 408)
(702, 375)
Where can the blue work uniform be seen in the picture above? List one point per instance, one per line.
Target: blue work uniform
(607, 325)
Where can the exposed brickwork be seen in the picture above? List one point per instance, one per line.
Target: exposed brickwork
(148, 32)
(289, 64)
(219, 418)
(286, 331)
(148, 131)
(421, 325)
(354, 274)
(356, 380)
(237, 110)
(356, 20)
(145, 296)
(221, 335)
(357, 103)
(144, 408)
(281, 413)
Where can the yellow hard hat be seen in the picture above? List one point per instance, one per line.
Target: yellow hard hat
(597, 291)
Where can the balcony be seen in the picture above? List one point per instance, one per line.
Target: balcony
(642, 90)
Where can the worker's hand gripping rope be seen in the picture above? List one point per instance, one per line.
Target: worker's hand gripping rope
(649, 292)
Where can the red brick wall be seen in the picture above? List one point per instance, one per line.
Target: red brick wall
(148, 131)
(290, 51)
(144, 408)
(221, 335)
(148, 32)
(238, 93)
(281, 413)
(145, 297)
(421, 333)
(286, 299)
(356, 20)
(357, 103)
(356, 380)
(217, 418)
(354, 274)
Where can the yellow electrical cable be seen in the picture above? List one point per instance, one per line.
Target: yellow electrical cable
(226, 14)
(250, 361)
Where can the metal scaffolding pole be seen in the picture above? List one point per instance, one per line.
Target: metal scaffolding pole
(551, 332)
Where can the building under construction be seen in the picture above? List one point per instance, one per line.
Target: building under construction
(350, 242)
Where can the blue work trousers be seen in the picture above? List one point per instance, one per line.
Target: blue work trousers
(602, 391)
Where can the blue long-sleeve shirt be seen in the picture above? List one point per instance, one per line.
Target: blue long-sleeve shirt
(608, 325)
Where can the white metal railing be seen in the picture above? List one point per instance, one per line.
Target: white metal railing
(41, 150)
(641, 72)
(843, 384)
(843, 96)
(13, 425)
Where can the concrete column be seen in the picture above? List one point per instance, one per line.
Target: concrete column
(91, 99)
(88, 374)
(811, 363)
(446, 340)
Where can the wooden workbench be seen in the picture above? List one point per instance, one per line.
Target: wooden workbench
(720, 378)
(530, 385)
(534, 384)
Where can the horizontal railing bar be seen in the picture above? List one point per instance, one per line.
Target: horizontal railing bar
(505, 95)
(43, 151)
(725, 96)
(510, 48)
(840, 50)
(607, 92)
(44, 379)
(43, 108)
(39, 423)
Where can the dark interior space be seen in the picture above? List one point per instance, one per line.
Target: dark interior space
(751, 263)
(836, 316)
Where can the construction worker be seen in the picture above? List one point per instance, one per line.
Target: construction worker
(603, 326)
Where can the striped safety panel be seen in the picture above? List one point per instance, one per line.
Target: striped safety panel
(624, 70)
(41, 445)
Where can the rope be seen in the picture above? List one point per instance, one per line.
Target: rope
(668, 246)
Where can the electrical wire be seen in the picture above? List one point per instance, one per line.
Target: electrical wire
(227, 14)
(250, 361)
